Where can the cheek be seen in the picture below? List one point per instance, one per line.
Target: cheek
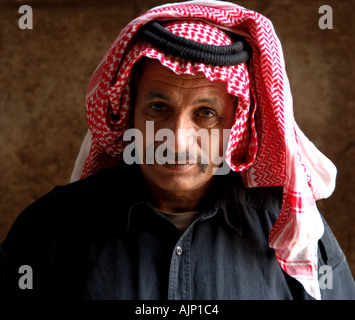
(140, 124)
(137, 119)
(218, 143)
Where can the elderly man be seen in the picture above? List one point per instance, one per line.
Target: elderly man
(186, 92)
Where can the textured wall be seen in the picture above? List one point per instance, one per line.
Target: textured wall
(44, 74)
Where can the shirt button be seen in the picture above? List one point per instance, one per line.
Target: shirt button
(178, 250)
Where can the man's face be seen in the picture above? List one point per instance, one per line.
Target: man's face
(182, 103)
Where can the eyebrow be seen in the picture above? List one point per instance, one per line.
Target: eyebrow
(151, 95)
(211, 101)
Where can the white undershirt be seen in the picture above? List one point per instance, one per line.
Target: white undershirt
(181, 220)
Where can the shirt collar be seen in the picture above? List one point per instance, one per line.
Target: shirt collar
(229, 199)
(221, 200)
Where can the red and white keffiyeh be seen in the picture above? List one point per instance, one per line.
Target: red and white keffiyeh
(265, 146)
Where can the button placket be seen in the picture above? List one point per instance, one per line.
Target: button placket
(179, 277)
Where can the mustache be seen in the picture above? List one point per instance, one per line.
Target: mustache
(167, 156)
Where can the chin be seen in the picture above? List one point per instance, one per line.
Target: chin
(176, 179)
(177, 184)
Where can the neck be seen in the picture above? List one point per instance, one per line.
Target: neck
(177, 201)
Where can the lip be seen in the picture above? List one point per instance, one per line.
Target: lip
(177, 167)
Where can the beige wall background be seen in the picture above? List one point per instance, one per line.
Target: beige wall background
(44, 75)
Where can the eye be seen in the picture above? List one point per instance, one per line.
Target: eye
(206, 118)
(158, 107)
(206, 113)
(157, 110)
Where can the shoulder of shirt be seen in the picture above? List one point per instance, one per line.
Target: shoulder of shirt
(117, 184)
(91, 206)
(266, 198)
(246, 208)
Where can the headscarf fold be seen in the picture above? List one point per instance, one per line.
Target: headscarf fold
(265, 145)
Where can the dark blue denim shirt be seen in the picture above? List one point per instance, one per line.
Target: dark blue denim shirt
(100, 238)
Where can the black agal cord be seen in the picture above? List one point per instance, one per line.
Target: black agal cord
(168, 42)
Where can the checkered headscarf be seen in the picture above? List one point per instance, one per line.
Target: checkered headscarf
(265, 144)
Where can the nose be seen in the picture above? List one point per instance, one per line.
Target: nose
(182, 128)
